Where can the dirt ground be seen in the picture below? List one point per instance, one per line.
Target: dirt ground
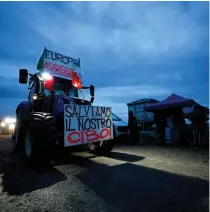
(136, 178)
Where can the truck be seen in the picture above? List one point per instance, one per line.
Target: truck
(55, 116)
(121, 129)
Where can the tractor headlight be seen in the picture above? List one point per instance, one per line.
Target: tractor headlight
(46, 76)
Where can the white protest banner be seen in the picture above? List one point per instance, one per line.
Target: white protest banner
(86, 123)
(58, 64)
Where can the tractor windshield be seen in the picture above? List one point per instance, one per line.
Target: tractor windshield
(64, 87)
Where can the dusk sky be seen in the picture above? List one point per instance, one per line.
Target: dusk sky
(128, 50)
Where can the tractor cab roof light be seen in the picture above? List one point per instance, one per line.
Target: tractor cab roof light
(46, 76)
(76, 82)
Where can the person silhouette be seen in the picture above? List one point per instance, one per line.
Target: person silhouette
(134, 134)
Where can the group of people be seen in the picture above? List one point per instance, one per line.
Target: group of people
(198, 122)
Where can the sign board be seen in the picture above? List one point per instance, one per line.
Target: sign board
(86, 123)
(58, 64)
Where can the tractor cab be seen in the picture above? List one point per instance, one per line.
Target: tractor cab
(58, 86)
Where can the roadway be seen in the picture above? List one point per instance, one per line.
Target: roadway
(132, 179)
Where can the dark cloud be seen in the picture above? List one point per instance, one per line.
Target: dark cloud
(4, 79)
(20, 44)
(116, 48)
(5, 55)
(10, 88)
(12, 92)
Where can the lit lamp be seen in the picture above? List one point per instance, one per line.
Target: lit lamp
(35, 97)
(3, 124)
(76, 82)
(48, 81)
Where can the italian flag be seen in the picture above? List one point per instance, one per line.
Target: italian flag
(40, 64)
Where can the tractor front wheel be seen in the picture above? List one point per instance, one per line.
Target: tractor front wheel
(102, 147)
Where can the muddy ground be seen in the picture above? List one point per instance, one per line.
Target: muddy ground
(137, 178)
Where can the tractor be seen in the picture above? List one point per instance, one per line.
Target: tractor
(43, 121)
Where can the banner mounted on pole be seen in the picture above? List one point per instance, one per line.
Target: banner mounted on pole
(58, 64)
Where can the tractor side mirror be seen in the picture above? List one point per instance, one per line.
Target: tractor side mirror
(92, 90)
(91, 100)
(23, 76)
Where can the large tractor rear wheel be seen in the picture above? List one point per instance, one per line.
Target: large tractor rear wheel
(40, 136)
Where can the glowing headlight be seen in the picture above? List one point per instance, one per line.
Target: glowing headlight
(3, 124)
(35, 97)
(47, 76)
(11, 126)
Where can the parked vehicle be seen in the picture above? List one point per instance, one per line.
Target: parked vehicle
(121, 129)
